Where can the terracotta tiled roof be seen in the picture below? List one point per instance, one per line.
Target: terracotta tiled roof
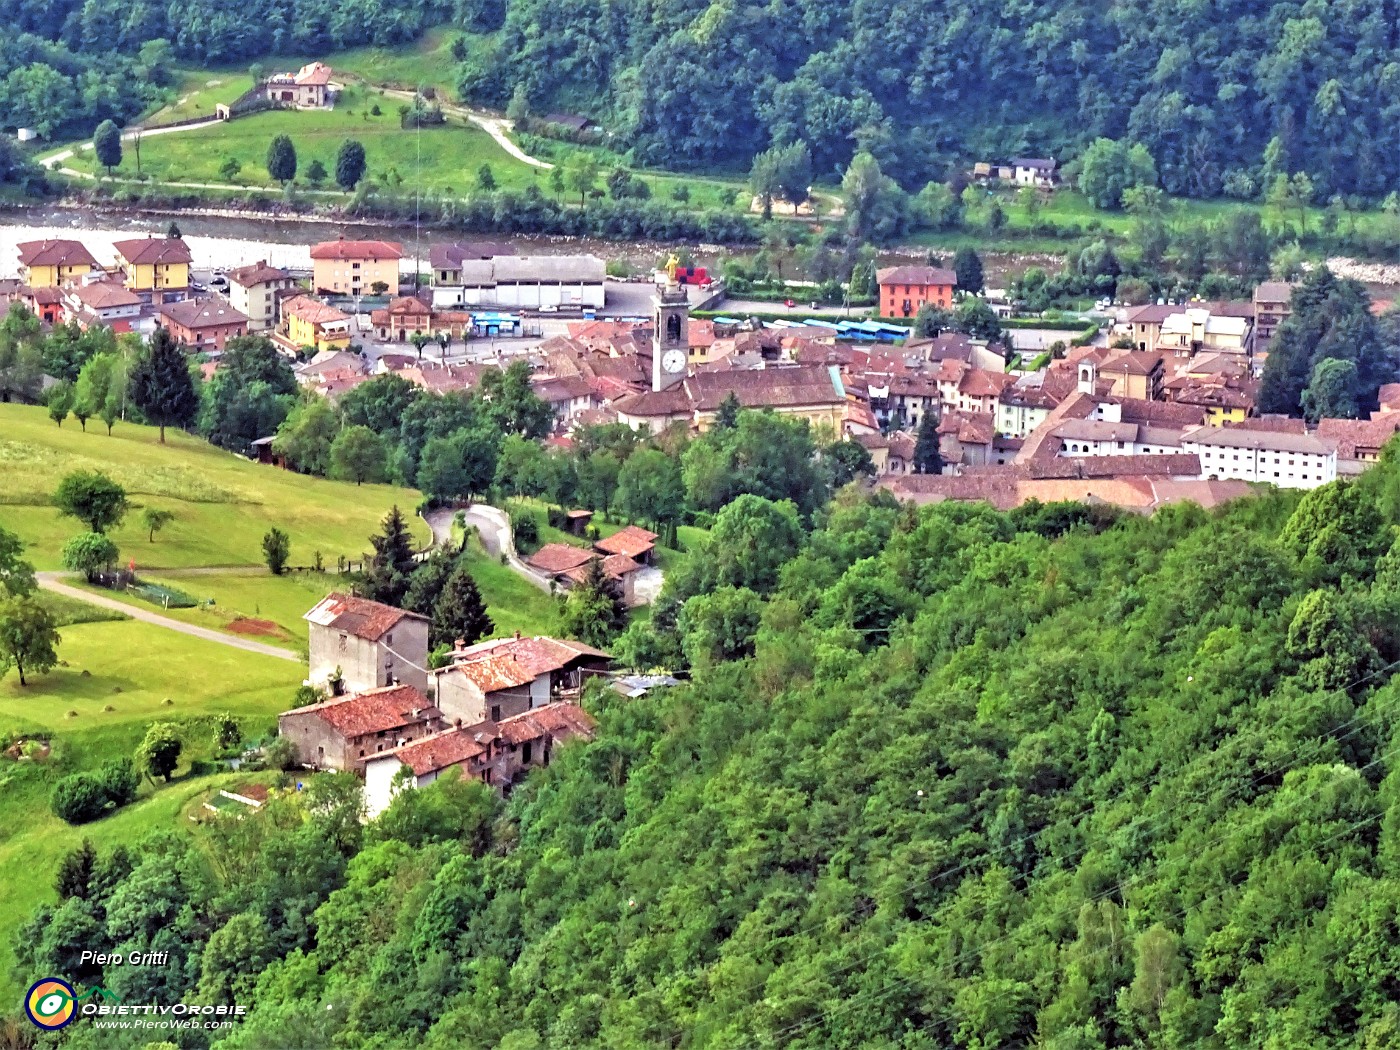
(374, 711)
(1274, 423)
(441, 751)
(145, 251)
(1273, 292)
(563, 388)
(615, 566)
(409, 306)
(256, 273)
(450, 256)
(105, 295)
(1161, 413)
(1132, 362)
(796, 386)
(917, 275)
(655, 403)
(978, 382)
(559, 557)
(358, 616)
(203, 313)
(556, 720)
(508, 663)
(54, 253)
(343, 249)
(631, 541)
(312, 311)
(1354, 436)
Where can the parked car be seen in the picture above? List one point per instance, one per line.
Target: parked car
(789, 303)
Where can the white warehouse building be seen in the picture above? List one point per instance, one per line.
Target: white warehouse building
(524, 282)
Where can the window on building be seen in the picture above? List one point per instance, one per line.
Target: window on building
(495, 712)
(525, 752)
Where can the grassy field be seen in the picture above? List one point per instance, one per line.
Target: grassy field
(451, 154)
(223, 504)
(116, 680)
(1068, 208)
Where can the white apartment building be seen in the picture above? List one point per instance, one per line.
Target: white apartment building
(1290, 461)
(1095, 437)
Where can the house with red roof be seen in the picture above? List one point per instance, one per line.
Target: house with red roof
(343, 732)
(496, 753)
(203, 324)
(508, 676)
(904, 289)
(54, 263)
(356, 645)
(102, 302)
(343, 267)
(308, 88)
(633, 541)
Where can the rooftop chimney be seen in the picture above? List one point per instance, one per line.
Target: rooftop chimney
(517, 636)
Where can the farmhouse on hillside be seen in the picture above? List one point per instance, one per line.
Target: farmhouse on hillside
(357, 645)
(342, 732)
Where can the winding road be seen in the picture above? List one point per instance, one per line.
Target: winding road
(52, 581)
(493, 526)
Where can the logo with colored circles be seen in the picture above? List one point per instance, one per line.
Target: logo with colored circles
(51, 1003)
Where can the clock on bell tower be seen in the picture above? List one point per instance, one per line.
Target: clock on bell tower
(670, 338)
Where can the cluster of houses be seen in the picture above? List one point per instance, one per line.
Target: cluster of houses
(1159, 408)
(496, 710)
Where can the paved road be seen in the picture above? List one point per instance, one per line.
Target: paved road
(493, 526)
(51, 581)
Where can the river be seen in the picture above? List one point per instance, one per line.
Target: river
(224, 242)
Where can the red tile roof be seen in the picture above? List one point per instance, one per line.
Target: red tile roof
(631, 541)
(358, 616)
(374, 711)
(105, 295)
(1357, 436)
(256, 273)
(559, 557)
(203, 313)
(54, 253)
(917, 275)
(556, 720)
(145, 251)
(343, 249)
(313, 311)
(441, 750)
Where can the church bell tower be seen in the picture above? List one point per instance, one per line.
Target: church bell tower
(670, 338)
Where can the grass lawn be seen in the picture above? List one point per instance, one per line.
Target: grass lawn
(515, 604)
(223, 504)
(451, 153)
(196, 94)
(131, 668)
(666, 557)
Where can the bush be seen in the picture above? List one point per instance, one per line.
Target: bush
(119, 780)
(201, 767)
(558, 517)
(526, 529)
(78, 799)
(281, 754)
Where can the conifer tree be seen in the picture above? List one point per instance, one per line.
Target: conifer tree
(927, 458)
(460, 612)
(386, 579)
(161, 385)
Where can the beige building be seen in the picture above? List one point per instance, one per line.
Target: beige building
(357, 645)
(344, 267)
(344, 731)
(254, 291)
(1197, 330)
(308, 88)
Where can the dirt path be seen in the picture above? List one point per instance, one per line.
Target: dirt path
(51, 581)
(496, 127)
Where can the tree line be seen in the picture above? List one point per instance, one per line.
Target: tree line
(938, 776)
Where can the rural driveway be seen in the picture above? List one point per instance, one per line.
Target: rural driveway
(51, 581)
(493, 526)
(496, 127)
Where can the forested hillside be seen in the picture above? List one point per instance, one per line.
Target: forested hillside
(1210, 89)
(1225, 96)
(943, 777)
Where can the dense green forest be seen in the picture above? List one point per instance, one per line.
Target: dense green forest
(941, 777)
(1225, 96)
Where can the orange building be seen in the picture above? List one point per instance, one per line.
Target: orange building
(903, 289)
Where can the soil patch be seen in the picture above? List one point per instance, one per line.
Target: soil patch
(246, 625)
